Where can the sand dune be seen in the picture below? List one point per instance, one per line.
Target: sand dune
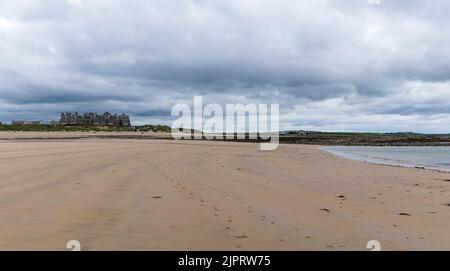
(8, 135)
(129, 194)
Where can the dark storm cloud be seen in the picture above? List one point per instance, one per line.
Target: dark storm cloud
(326, 62)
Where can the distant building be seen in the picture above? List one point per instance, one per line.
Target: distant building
(294, 132)
(26, 122)
(33, 122)
(18, 122)
(105, 119)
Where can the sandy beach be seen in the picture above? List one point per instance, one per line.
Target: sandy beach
(131, 194)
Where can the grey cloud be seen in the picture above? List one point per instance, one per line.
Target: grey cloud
(144, 56)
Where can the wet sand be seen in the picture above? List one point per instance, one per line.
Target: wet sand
(128, 194)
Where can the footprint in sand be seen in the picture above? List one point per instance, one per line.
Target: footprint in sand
(404, 214)
(243, 236)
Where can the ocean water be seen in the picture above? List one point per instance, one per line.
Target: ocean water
(427, 157)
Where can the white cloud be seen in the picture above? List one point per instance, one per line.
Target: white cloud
(74, 2)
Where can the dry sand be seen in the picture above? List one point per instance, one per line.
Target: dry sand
(128, 194)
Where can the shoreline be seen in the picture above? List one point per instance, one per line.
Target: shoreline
(30, 136)
(45, 135)
(412, 166)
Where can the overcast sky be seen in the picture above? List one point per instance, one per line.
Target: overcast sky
(332, 65)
